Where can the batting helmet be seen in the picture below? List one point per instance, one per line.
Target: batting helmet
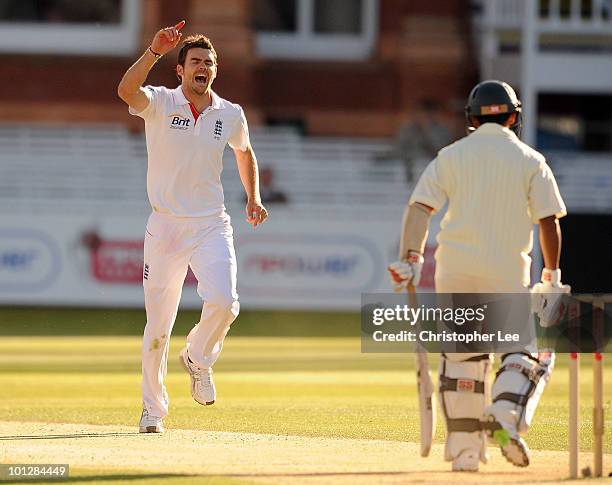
(493, 98)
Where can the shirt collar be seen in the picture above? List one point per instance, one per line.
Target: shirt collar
(180, 99)
(215, 101)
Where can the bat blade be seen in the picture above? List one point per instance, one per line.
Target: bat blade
(425, 387)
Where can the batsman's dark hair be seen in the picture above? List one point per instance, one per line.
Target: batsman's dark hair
(499, 119)
(195, 41)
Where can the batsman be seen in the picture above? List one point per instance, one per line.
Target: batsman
(497, 188)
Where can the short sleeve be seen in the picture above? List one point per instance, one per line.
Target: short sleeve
(154, 94)
(544, 197)
(239, 139)
(429, 189)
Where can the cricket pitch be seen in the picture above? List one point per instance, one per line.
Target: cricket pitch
(263, 458)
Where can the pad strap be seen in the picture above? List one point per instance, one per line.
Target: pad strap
(476, 358)
(526, 354)
(463, 425)
(532, 375)
(461, 385)
(471, 425)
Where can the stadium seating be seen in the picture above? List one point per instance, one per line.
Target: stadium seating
(585, 180)
(102, 170)
(79, 169)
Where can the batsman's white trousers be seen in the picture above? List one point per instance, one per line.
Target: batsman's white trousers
(173, 244)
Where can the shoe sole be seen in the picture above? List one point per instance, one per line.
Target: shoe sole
(183, 362)
(514, 449)
(515, 453)
(468, 470)
(151, 429)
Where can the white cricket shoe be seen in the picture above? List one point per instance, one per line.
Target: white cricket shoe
(150, 424)
(506, 436)
(202, 385)
(467, 461)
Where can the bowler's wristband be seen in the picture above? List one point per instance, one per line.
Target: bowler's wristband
(157, 56)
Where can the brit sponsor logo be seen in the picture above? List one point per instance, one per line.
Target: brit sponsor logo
(179, 122)
(29, 260)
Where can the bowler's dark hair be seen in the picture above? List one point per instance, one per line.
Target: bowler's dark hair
(195, 41)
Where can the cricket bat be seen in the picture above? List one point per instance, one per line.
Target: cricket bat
(425, 385)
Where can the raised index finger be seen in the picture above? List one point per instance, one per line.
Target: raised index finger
(180, 25)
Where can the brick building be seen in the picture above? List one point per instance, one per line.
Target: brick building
(339, 67)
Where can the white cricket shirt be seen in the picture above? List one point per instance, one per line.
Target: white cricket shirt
(186, 153)
(497, 188)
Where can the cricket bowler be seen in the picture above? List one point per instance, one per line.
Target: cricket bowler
(187, 129)
(497, 188)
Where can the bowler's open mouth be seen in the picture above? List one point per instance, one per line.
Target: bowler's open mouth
(200, 79)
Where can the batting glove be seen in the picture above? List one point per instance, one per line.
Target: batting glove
(547, 298)
(407, 271)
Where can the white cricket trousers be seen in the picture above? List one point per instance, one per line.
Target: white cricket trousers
(172, 244)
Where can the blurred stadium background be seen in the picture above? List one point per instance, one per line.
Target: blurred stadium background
(328, 87)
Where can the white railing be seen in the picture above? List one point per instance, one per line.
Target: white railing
(585, 180)
(538, 46)
(102, 170)
(99, 170)
(504, 14)
(556, 16)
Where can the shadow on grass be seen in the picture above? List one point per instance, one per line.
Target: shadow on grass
(65, 436)
(52, 321)
(104, 478)
(211, 476)
(288, 476)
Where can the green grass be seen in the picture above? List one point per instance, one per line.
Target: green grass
(77, 321)
(309, 386)
(285, 373)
